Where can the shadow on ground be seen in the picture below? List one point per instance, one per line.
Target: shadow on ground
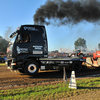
(88, 87)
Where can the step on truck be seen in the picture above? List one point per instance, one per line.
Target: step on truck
(27, 52)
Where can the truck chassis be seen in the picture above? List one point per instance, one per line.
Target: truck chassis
(31, 67)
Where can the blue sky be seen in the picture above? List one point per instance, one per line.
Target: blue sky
(14, 13)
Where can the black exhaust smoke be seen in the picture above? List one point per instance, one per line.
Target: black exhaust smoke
(70, 11)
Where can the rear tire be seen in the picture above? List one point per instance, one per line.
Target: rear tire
(31, 68)
(77, 66)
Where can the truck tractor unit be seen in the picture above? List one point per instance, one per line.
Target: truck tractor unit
(27, 52)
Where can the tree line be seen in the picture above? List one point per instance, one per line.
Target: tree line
(3, 44)
(81, 43)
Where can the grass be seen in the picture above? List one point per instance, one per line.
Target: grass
(2, 64)
(50, 92)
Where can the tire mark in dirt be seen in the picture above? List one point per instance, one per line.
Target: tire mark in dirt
(9, 79)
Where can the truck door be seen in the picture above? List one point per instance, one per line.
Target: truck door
(23, 43)
(37, 43)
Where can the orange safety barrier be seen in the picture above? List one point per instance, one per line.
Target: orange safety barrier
(96, 55)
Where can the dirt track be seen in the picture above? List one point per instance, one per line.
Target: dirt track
(12, 80)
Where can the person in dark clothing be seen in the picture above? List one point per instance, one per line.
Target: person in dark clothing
(27, 39)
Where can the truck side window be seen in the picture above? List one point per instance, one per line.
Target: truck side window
(24, 39)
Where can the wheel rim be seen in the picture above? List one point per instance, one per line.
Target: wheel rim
(32, 68)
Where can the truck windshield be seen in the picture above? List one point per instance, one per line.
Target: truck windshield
(10, 45)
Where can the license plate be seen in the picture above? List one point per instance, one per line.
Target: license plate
(37, 52)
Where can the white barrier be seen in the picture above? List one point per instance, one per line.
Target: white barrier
(72, 83)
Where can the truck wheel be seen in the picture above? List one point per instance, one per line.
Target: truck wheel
(77, 66)
(21, 70)
(31, 68)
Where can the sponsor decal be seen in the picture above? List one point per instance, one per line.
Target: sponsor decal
(37, 52)
(45, 55)
(70, 62)
(22, 50)
(62, 62)
(38, 47)
(42, 67)
(30, 28)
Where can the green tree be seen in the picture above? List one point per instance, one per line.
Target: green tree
(80, 43)
(3, 44)
(99, 46)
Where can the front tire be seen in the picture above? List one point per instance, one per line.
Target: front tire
(31, 68)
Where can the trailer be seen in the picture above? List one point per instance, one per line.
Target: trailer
(28, 52)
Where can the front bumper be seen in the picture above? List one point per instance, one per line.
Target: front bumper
(11, 63)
